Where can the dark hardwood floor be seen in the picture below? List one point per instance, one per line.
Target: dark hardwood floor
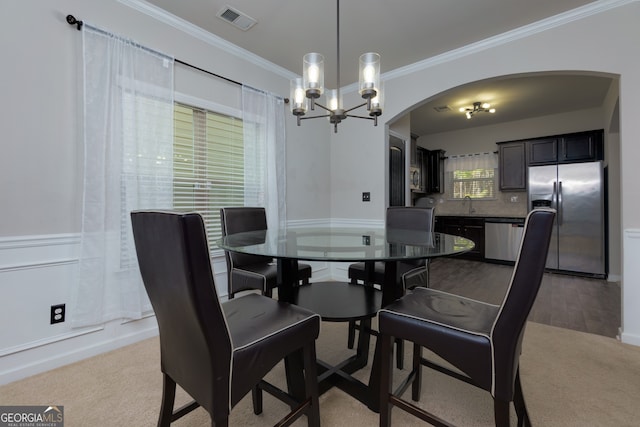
(583, 304)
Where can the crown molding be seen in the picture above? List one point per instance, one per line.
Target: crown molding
(504, 38)
(510, 36)
(205, 36)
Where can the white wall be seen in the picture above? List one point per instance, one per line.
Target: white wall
(601, 41)
(41, 165)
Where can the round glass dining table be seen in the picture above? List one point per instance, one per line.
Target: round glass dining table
(345, 244)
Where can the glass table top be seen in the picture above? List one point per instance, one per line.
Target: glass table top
(345, 244)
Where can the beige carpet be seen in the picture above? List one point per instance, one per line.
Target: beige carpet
(569, 379)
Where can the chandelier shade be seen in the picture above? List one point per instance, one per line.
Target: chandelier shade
(369, 75)
(306, 91)
(298, 100)
(313, 75)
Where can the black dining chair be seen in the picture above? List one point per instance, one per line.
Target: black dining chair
(412, 273)
(244, 271)
(216, 352)
(483, 341)
(401, 217)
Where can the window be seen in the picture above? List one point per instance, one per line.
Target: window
(208, 167)
(472, 175)
(476, 183)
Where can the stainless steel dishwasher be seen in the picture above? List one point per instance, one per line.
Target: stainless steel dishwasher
(502, 238)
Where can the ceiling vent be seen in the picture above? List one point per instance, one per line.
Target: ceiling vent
(442, 108)
(236, 18)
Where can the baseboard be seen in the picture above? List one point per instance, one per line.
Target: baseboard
(632, 339)
(56, 358)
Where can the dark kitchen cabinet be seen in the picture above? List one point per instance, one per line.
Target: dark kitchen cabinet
(469, 227)
(570, 148)
(512, 166)
(434, 171)
(581, 147)
(543, 151)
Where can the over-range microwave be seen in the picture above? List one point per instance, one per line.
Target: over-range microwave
(415, 179)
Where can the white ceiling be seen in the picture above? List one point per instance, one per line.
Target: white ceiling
(404, 32)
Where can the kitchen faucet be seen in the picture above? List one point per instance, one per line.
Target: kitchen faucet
(471, 209)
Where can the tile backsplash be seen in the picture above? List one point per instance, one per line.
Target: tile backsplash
(506, 204)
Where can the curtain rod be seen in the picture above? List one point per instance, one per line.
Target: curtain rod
(71, 20)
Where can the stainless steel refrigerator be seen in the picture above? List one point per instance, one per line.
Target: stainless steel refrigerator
(577, 192)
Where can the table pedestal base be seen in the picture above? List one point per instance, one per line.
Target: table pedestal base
(342, 302)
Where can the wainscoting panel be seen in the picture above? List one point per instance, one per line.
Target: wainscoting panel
(37, 272)
(631, 290)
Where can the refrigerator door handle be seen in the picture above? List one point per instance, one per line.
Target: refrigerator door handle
(559, 203)
(554, 196)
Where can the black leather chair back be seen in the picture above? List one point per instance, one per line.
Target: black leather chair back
(174, 262)
(403, 217)
(509, 326)
(411, 218)
(240, 219)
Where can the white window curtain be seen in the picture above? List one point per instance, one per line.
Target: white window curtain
(128, 155)
(265, 153)
(466, 162)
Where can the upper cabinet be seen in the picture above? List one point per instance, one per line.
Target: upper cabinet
(434, 176)
(570, 148)
(543, 151)
(428, 171)
(581, 147)
(515, 156)
(513, 166)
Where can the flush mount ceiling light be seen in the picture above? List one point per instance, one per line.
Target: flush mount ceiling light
(306, 90)
(477, 108)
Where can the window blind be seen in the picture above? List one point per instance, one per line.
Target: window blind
(208, 164)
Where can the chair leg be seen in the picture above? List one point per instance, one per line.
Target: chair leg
(520, 405)
(168, 397)
(223, 422)
(352, 334)
(351, 339)
(386, 380)
(256, 397)
(416, 387)
(501, 412)
(311, 385)
(399, 353)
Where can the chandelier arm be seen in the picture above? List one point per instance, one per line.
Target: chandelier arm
(356, 107)
(360, 117)
(315, 117)
(323, 107)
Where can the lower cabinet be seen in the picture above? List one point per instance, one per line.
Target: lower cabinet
(469, 227)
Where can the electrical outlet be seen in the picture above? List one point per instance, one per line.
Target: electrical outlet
(57, 313)
(366, 196)
(366, 240)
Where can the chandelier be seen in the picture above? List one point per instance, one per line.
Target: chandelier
(306, 90)
(477, 108)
